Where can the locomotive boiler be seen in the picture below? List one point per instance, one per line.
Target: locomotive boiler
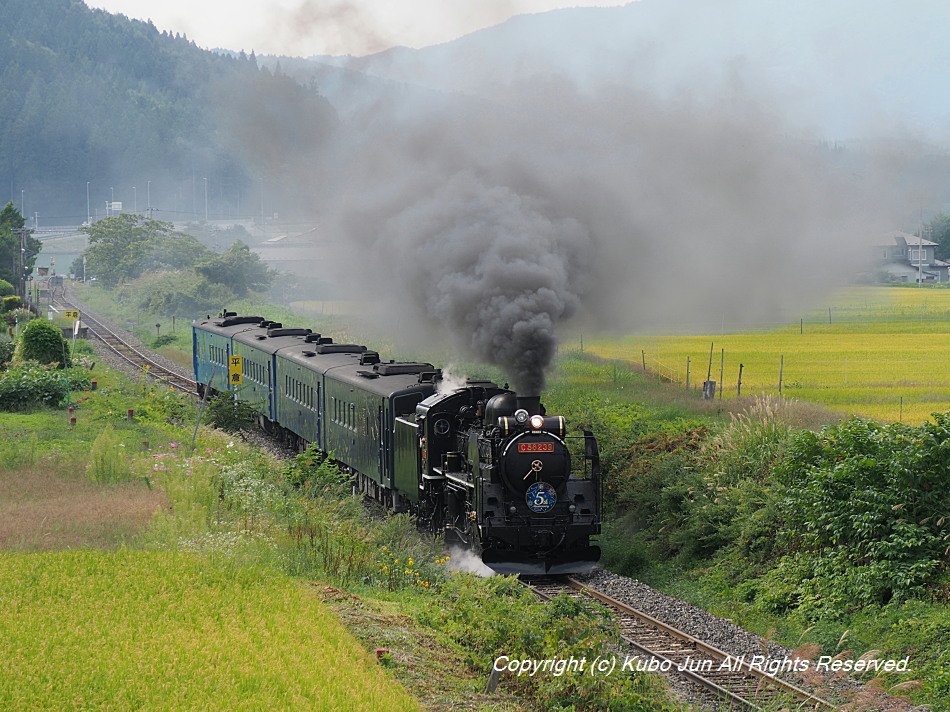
(476, 462)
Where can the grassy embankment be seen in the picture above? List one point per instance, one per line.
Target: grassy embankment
(101, 608)
(703, 511)
(194, 593)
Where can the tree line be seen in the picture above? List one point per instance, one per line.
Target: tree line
(91, 100)
(168, 272)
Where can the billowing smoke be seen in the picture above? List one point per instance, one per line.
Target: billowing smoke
(493, 220)
(491, 269)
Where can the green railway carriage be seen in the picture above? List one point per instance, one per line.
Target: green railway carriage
(309, 390)
(259, 349)
(212, 345)
(362, 404)
(300, 374)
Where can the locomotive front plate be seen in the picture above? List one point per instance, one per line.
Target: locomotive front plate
(540, 497)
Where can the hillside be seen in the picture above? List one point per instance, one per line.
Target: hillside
(841, 69)
(98, 107)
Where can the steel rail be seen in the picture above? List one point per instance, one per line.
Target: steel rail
(764, 682)
(132, 354)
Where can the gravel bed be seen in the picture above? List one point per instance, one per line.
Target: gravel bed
(108, 357)
(729, 638)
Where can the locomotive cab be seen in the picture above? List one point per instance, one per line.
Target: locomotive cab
(503, 479)
(541, 509)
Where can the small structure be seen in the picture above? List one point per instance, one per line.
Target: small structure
(910, 258)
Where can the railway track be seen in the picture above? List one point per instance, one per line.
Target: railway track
(657, 647)
(135, 356)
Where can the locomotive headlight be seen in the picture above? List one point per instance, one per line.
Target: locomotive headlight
(512, 510)
(572, 508)
(536, 422)
(521, 416)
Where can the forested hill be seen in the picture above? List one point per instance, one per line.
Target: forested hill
(98, 99)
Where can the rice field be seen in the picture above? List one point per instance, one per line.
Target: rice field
(127, 630)
(879, 352)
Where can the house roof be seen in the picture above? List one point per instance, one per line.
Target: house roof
(912, 240)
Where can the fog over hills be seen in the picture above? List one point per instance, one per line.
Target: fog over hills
(842, 69)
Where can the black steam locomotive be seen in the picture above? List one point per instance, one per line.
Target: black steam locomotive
(476, 462)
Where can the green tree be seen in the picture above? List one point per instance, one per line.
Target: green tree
(938, 230)
(42, 342)
(123, 247)
(6, 289)
(14, 238)
(238, 268)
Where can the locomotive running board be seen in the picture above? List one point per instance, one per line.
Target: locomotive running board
(509, 562)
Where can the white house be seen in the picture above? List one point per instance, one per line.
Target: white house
(909, 258)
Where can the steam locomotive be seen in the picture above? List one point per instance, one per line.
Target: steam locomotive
(476, 462)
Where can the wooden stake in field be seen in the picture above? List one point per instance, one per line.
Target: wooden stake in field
(709, 386)
(739, 384)
(722, 367)
(781, 370)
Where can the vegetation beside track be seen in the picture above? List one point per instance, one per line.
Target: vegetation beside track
(214, 551)
(700, 512)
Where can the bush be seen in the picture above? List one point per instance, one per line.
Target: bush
(108, 464)
(497, 616)
(163, 340)
(313, 471)
(18, 317)
(225, 412)
(9, 303)
(6, 354)
(42, 342)
(6, 289)
(30, 385)
(866, 506)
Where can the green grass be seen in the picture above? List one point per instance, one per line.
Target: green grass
(164, 631)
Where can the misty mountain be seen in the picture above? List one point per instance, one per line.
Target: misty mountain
(98, 101)
(843, 69)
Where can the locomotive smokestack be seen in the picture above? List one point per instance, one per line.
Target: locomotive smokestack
(532, 404)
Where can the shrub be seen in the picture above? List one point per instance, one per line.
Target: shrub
(18, 317)
(10, 303)
(6, 289)
(42, 342)
(313, 471)
(30, 385)
(108, 463)
(163, 340)
(497, 616)
(225, 412)
(6, 353)
(867, 503)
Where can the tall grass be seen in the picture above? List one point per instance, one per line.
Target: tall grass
(108, 461)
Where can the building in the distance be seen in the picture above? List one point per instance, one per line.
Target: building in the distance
(909, 258)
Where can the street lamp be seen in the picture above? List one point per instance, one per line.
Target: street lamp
(88, 213)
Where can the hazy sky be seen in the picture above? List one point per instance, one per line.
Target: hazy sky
(307, 27)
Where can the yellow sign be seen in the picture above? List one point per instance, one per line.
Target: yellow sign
(71, 314)
(234, 369)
